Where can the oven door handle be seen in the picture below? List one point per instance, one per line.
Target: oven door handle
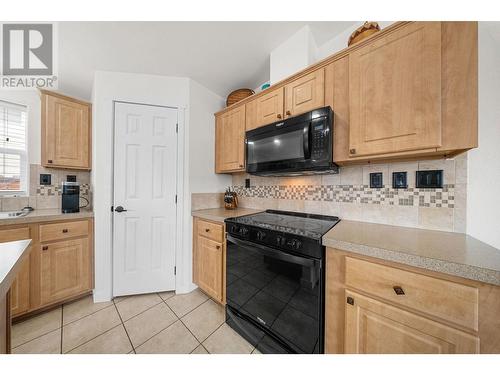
(269, 251)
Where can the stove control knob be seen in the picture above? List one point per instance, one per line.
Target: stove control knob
(235, 229)
(244, 231)
(280, 240)
(261, 235)
(296, 244)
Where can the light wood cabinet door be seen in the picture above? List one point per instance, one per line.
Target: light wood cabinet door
(209, 263)
(66, 132)
(265, 109)
(305, 94)
(337, 97)
(230, 141)
(395, 92)
(373, 327)
(65, 269)
(20, 288)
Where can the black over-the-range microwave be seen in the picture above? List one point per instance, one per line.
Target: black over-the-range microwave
(299, 145)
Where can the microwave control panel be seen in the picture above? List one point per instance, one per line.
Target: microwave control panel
(320, 142)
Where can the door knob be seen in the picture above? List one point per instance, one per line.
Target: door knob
(120, 209)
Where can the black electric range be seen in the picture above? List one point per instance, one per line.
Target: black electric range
(275, 280)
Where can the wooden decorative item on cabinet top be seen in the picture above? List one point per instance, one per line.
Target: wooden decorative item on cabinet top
(362, 32)
(66, 132)
(238, 95)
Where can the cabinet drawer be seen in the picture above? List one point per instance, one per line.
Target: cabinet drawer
(210, 230)
(58, 231)
(444, 299)
(17, 234)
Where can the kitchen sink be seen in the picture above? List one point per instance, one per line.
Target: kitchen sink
(13, 214)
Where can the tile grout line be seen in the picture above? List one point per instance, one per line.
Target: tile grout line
(86, 342)
(215, 330)
(125, 328)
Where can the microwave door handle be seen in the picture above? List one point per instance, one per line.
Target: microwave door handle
(306, 141)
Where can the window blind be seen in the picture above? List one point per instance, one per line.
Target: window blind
(13, 155)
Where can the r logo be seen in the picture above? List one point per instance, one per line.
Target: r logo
(27, 49)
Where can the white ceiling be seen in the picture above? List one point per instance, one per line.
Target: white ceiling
(222, 56)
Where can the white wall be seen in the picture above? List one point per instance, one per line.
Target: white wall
(294, 54)
(483, 194)
(196, 135)
(339, 42)
(31, 99)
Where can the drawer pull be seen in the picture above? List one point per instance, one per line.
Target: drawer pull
(207, 230)
(350, 301)
(45, 248)
(398, 290)
(65, 231)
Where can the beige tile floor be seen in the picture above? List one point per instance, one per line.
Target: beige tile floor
(148, 323)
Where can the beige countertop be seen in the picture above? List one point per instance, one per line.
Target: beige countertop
(44, 215)
(219, 214)
(11, 256)
(451, 253)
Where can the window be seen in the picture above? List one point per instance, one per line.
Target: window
(13, 155)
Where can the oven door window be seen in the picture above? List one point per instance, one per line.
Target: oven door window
(277, 293)
(284, 146)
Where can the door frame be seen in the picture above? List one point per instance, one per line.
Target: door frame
(179, 220)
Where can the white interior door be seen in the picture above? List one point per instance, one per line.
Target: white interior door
(145, 180)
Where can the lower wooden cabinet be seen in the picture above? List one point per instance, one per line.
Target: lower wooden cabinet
(65, 270)
(59, 268)
(375, 327)
(19, 291)
(373, 306)
(209, 258)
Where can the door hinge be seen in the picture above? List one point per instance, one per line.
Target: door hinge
(177, 128)
(175, 270)
(175, 198)
(112, 208)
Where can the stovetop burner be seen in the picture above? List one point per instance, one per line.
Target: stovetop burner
(296, 223)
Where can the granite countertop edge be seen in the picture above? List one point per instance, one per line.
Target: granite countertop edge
(45, 215)
(437, 265)
(214, 214)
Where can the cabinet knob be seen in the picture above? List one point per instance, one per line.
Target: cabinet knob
(45, 248)
(288, 113)
(352, 151)
(350, 301)
(241, 165)
(207, 230)
(217, 247)
(398, 290)
(278, 115)
(49, 161)
(65, 231)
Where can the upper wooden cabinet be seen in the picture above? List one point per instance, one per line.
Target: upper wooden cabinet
(305, 94)
(408, 91)
(230, 141)
(395, 92)
(265, 109)
(66, 132)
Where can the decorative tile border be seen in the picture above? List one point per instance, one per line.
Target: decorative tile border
(363, 194)
(52, 190)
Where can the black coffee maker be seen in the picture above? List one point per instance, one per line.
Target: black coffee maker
(70, 197)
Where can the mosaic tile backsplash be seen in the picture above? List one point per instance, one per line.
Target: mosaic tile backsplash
(362, 194)
(47, 196)
(349, 196)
